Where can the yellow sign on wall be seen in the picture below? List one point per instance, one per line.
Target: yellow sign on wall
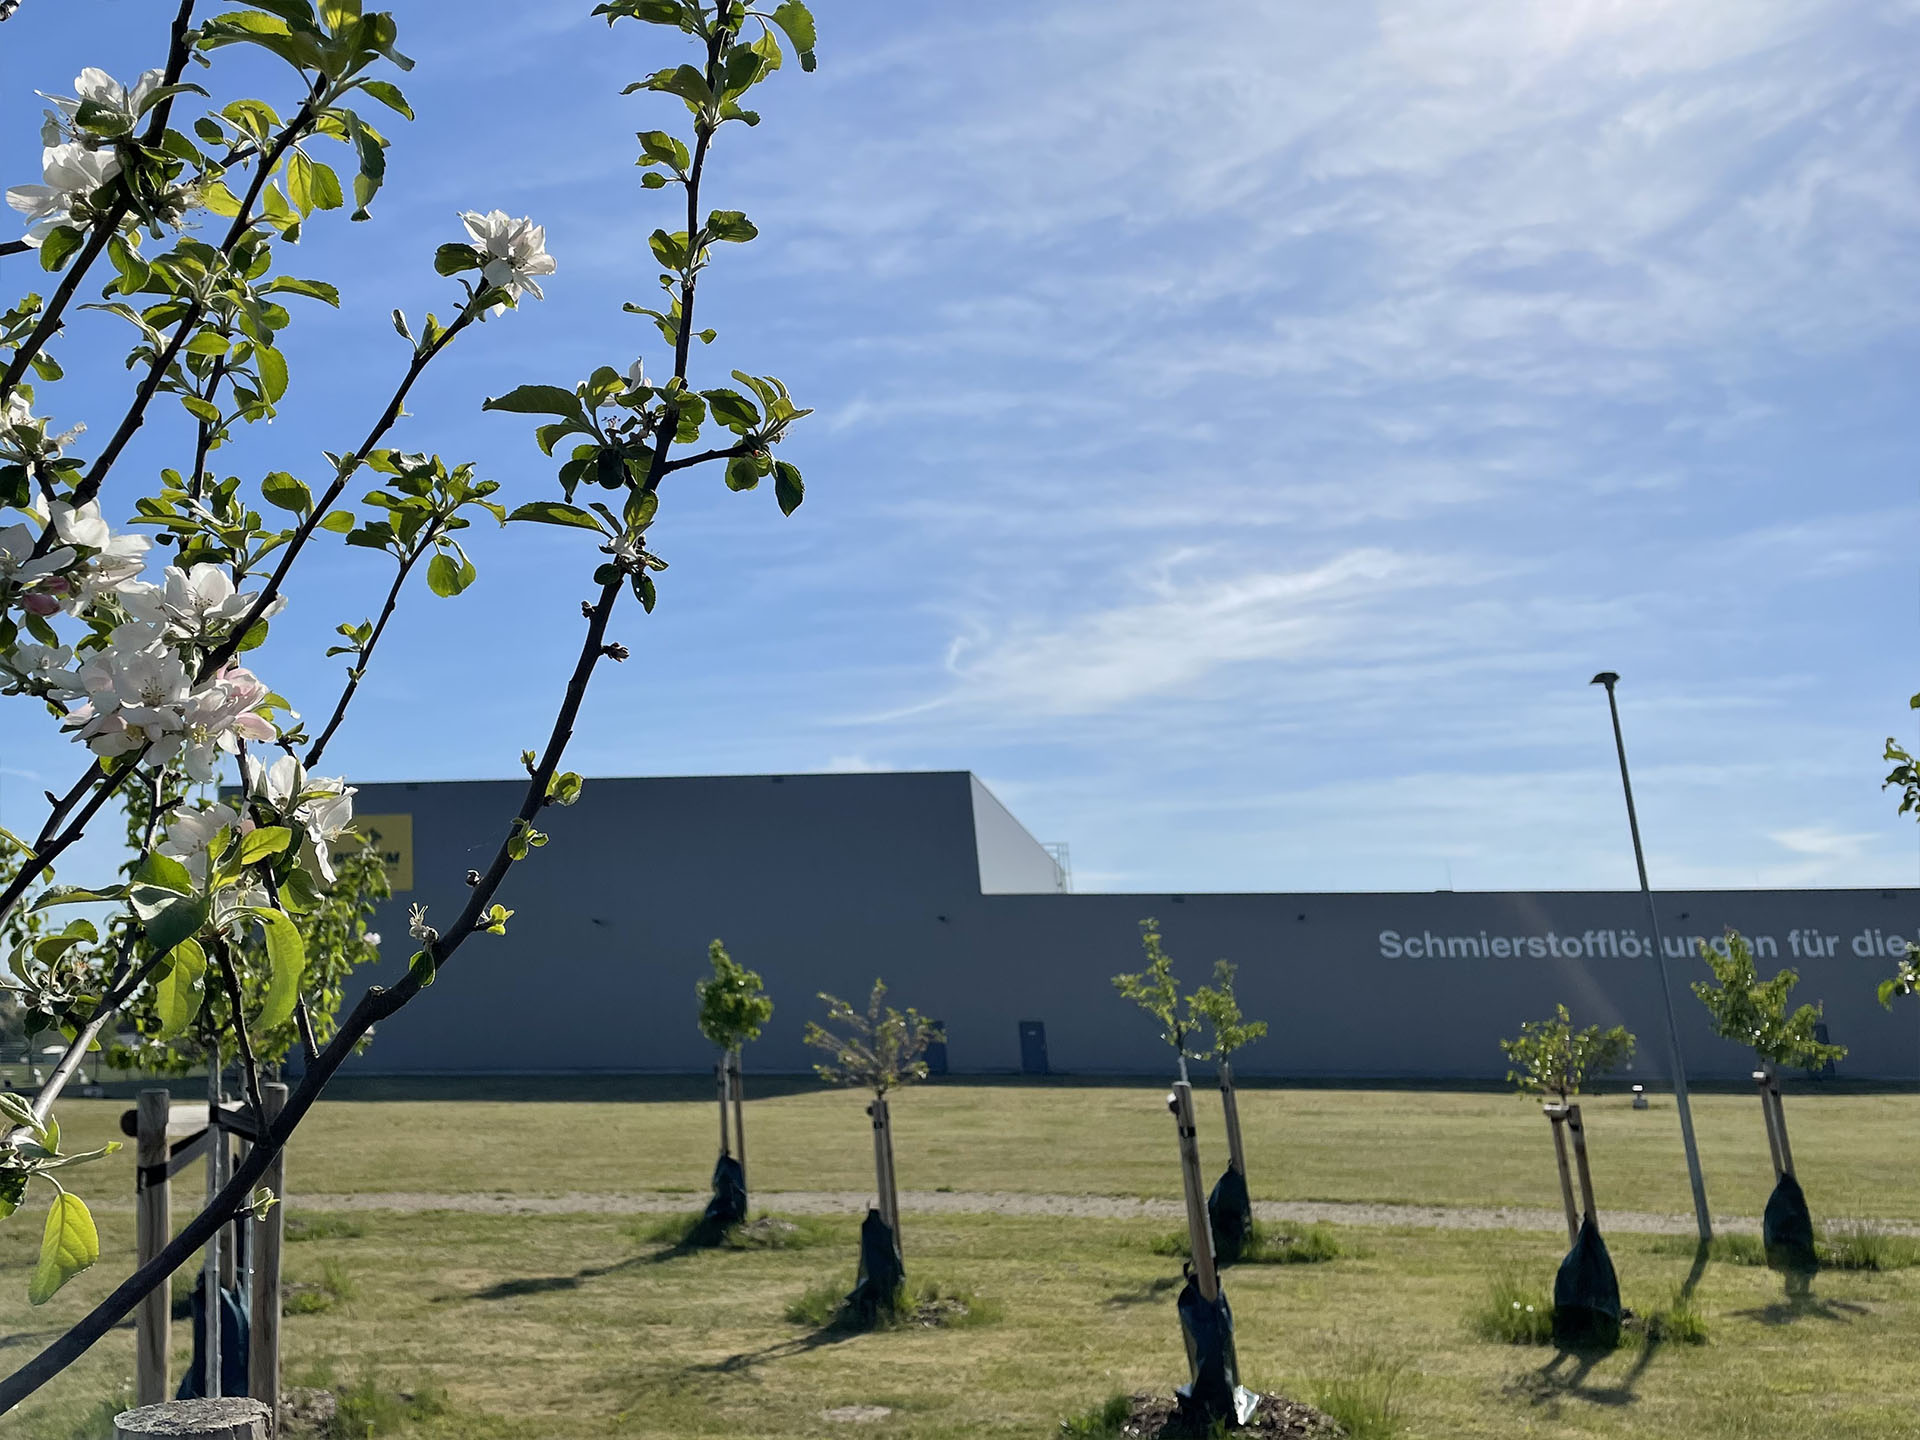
(392, 836)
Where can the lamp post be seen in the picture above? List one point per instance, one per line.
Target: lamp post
(1679, 1066)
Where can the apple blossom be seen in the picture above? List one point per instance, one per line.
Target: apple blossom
(72, 173)
(97, 86)
(514, 252)
(18, 567)
(191, 832)
(193, 603)
(219, 716)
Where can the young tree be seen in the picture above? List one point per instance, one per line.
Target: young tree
(880, 1050)
(1229, 1206)
(1754, 1012)
(1156, 991)
(1550, 1057)
(146, 674)
(733, 1008)
(1905, 775)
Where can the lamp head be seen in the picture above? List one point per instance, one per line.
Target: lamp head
(1606, 678)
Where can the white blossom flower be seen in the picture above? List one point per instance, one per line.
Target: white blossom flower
(637, 374)
(43, 669)
(191, 832)
(96, 85)
(72, 172)
(193, 603)
(321, 805)
(418, 928)
(150, 680)
(515, 251)
(82, 525)
(23, 435)
(18, 567)
(219, 716)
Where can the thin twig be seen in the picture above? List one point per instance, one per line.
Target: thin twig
(365, 653)
(223, 953)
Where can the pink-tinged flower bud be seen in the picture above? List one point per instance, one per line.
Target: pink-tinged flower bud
(38, 603)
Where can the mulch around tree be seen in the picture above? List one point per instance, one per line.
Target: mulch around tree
(1155, 1417)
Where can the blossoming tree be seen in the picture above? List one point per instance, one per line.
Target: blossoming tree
(177, 207)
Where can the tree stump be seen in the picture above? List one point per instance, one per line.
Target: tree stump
(232, 1418)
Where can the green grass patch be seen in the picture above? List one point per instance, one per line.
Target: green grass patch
(370, 1407)
(1513, 1311)
(1862, 1245)
(335, 1287)
(923, 1304)
(1267, 1245)
(323, 1227)
(1102, 1422)
(1366, 1397)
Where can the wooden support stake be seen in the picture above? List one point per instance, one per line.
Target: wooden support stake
(269, 1234)
(1199, 1232)
(1557, 1114)
(1229, 1102)
(1773, 1132)
(1579, 1134)
(739, 1118)
(153, 1224)
(230, 1419)
(1780, 1124)
(720, 1075)
(886, 1192)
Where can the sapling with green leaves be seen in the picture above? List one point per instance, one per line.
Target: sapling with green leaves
(1156, 991)
(1218, 1008)
(734, 1006)
(1755, 1013)
(184, 204)
(1551, 1059)
(878, 1050)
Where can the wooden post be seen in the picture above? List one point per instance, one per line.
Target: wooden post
(883, 1179)
(1579, 1134)
(269, 1233)
(1229, 1102)
(739, 1117)
(1199, 1232)
(153, 1224)
(1780, 1124)
(210, 1271)
(231, 1419)
(720, 1074)
(1773, 1133)
(1557, 1114)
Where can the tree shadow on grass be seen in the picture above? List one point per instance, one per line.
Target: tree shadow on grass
(747, 1360)
(1802, 1304)
(1142, 1294)
(544, 1284)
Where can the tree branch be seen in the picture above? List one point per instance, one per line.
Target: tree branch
(365, 653)
(730, 453)
(224, 955)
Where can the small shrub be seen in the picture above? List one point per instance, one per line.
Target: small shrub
(1679, 1323)
(1861, 1245)
(368, 1408)
(1365, 1400)
(1514, 1312)
(927, 1304)
(1102, 1422)
(323, 1227)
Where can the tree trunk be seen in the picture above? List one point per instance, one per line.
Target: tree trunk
(235, 1418)
(720, 1076)
(1578, 1133)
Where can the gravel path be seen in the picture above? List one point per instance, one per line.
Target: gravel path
(1079, 1207)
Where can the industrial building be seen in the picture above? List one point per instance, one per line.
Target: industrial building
(825, 882)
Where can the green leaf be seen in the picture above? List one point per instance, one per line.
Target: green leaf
(68, 1245)
(794, 18)
(173, 922)
(388, 94)
(76, 895)
(537, 400)
(742, 473)
(202, 410)
(300, 182)
(287, 961)
(733, 410)
(273, 372)
(165, 873)
(446, 576)
(180, 989)
(133, 270)
(267, 840)
(787, 486)
(731, 225)
(59, 246)
(313, 289)
(553, 512)
(289, 493)
(452, 258)
(338, 521)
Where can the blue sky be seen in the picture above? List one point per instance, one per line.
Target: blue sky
(1242, 430)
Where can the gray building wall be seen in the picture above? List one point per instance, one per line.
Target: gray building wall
(824, 882)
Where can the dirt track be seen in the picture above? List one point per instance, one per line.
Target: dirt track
(1084, 1207)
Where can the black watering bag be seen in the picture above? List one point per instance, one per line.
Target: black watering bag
(1230, 1215)
(1586, 1295)
(728, 1207)
(881, 1272)
(1786, 1229)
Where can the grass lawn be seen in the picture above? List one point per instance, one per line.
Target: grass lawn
(1855, 1152)
(575, 1326)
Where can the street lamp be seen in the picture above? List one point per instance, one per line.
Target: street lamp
(1679, 1066)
